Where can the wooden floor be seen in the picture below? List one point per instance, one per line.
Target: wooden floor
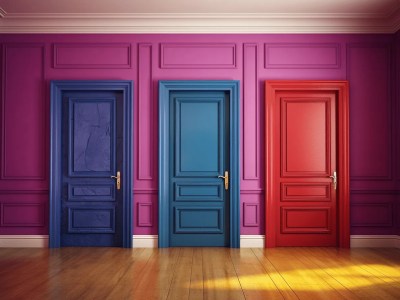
(200, 273)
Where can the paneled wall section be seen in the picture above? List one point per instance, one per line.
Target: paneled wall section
(369, 62)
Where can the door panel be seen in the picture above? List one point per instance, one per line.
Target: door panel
(91, 204)
(199, 204)
(305, 135)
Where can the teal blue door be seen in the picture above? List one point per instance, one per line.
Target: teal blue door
(199, 148)
(199, 192)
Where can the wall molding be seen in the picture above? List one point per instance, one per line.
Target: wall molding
(60, 56)
(375, 241)
(250, 114)
(24, 241)
(145, 113)
(198, 23)
(6, 48)
(310, 48)
(390, 105)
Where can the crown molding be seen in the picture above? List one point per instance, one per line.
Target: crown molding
(199, 23)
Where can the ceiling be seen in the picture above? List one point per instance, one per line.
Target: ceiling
(193, 16)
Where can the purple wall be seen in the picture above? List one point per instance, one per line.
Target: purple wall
(29, 62)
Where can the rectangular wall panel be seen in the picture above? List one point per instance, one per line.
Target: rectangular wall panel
(145, 214)
(198, 56)
(24, 113)
(302, 56)
(369, 73)
(23, 214)
(371, 214)
(146, 130)
(92, 56)
(251, 114)
(145, 210)
(251, 214)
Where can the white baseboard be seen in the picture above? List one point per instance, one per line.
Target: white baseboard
(145, 241)
(252, 241)
(246, 241)
(24, 241)
(375, 241)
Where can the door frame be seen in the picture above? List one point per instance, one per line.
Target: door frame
(341, 88)
(165, 88)
(57, 88)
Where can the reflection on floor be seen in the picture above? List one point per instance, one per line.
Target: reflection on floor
(200, 273)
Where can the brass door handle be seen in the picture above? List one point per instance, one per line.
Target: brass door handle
(226, 179)
(334, 178)
(118, 177)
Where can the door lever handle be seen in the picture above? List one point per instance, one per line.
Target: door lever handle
(118, 177)
(226, 179)
(334, 178)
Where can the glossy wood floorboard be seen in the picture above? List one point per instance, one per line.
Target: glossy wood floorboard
(200, 273)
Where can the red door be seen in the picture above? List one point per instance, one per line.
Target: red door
(302, 158)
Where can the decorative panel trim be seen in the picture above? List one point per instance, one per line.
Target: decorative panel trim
(287, 229)
(258, 191)
(73, 106)
(389, 175)
(145, 191)
(256, 218)
(251, 114)
(141, 221)
(284, 102)
(336, 64)
(198, 229)
(3, 171)
(24, 192)
(24, 241)
(286, 196)
(39, 207)
(92, 195)
(373, 206)
(57, 56)
(145, 126)
(218, 196)
(166, 64)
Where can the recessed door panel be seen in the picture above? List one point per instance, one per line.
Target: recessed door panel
(92, 137)
(305, 136)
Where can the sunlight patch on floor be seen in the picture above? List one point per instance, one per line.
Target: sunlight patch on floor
(309, 279)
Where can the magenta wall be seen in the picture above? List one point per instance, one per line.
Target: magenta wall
(29, 62)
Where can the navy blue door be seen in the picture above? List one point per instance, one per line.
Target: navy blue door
(199, 153)
(91, 154)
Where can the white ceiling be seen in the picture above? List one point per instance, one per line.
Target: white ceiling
(194, 16)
